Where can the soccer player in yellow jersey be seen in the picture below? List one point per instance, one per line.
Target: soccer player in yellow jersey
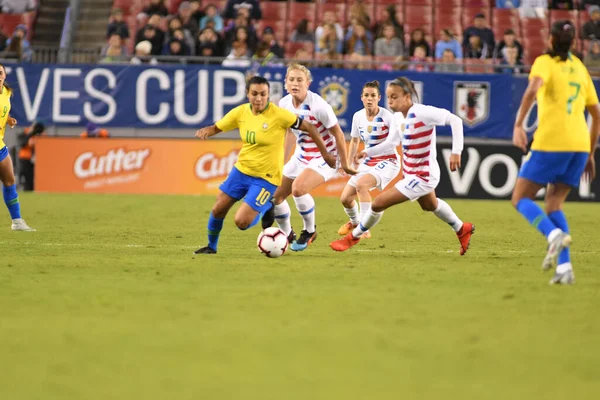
(7, 174)
(562, 149)
(258, 170)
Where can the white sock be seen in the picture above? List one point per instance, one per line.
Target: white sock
(282, 216)
(306, 206)
(352, 213)
(445, 213)
(370, 219)
(562, 268)
(364, 207)
(553, 234)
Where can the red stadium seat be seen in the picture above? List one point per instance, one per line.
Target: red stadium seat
(274, 10)
(9, 22)
(339, 10)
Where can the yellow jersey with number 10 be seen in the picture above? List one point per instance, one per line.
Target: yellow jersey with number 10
(566, 91)
(4, 111)
(262, 139)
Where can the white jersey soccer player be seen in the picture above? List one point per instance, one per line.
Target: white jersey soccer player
(306, 169)
(421, 171)
(372, 126)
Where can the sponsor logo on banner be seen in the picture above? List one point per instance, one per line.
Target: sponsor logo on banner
(418, 89)
(472, 102)
(490, 172)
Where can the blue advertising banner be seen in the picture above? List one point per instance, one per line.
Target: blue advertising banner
(184, 96)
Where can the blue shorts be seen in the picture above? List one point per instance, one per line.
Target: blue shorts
(544, 167)
(3, 153)
(256, 192)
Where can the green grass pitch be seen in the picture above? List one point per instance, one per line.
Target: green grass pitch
(106, 301)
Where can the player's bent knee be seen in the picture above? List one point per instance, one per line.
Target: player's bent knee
(299, 191)
(242, 223)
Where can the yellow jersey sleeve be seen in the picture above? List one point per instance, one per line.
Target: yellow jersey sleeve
(286, 118)
(592, 96)
(231, 120)
(541, 68)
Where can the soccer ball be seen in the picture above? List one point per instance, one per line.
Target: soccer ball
(272, 242)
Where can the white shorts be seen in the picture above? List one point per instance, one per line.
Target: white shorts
(384, 172)
(414, 187)
(294, 167)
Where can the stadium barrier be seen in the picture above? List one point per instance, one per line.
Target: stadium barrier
(189, 96)
(166, 166)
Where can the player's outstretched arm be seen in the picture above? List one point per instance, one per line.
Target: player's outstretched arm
(340, 143)
(590, 168)
(456, 125)
(519, 134)
(207, 131)
(316, 137)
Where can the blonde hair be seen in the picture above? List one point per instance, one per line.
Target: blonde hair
(299, 67)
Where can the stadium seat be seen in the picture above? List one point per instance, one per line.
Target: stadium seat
(339, 10)
(274, 10)
(9, 22)
(298, 12)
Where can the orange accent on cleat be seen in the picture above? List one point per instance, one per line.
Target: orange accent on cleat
(344, 243)
(366, 235)
(464, 236)
(346, 228)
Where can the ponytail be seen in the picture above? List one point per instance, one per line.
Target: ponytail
(562, 37)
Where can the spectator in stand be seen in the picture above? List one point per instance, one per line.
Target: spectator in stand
(175, 25)
(359, 46)
(142, 54)
(113, 56)
(94, 131)
(238, 57)
(268, 36)
(241, 21)
(3, 39)
(115, 42)
(476, 48)
(185, 15)
(117, 25)
(509, 40)
(389, 45)
(592, 58)
(575, 51)
(329, 19)
(417, 39)
(212, 14)
(24, 48)
(152, 33)
(562, 5)
(196, 10)
(242, 34)
(17, 6)
(358, 10)
(510, 64)
(447, 41)
(302, 55)
(209, 44)
(176, 48)
(448, 63)
(186, 49)
(264, 56)
(388, 16)
(419, 62)
(14, 50)
(233, 6)
(329, 47)
(591, 29)
(156, 7)
(479, 29)
(302, 33)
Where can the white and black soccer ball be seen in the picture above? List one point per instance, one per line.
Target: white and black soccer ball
(272, 242)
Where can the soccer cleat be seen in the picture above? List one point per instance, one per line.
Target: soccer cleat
(205, 250)
(20, 225)
(291, 236)
(268, 218)
(346, 228)
(344, 243)
(304, 240)
(565, 278)
(464, 236)
(561, 242)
